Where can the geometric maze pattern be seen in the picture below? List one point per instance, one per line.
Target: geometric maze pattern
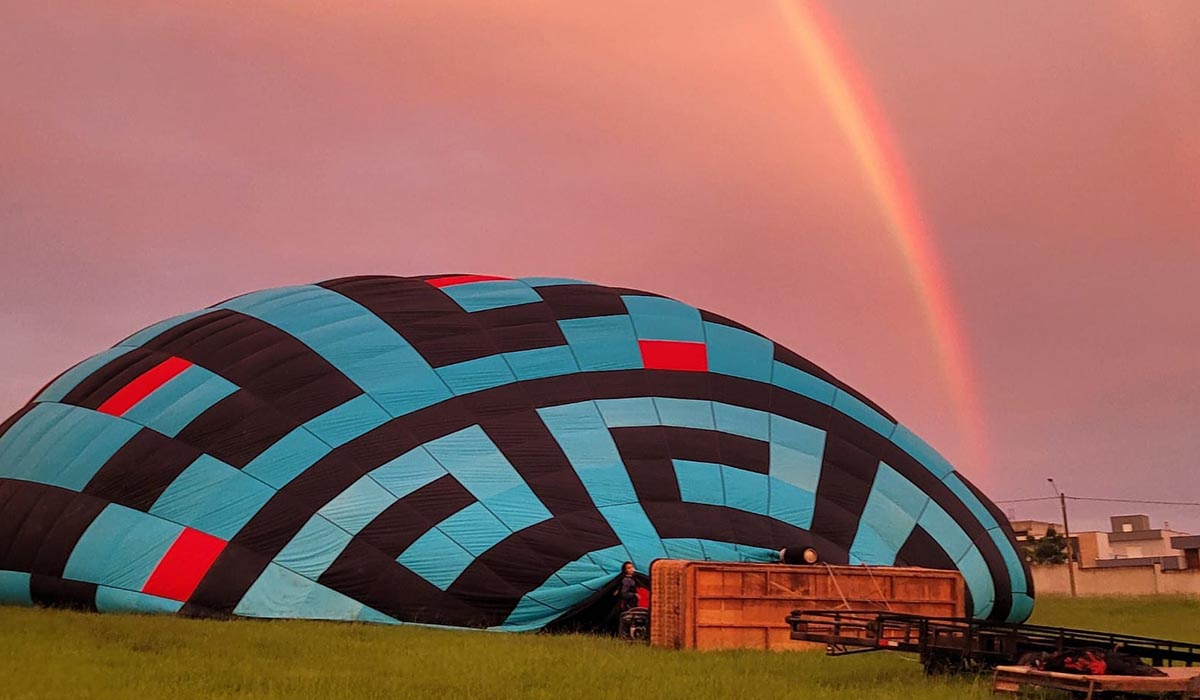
(459, 450)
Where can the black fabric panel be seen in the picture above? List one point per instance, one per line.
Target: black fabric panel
(138, 473)
(237, 428)
(55, 592)
(704, 521)
(521, 327)
(440, 330)
(494, 583)
(261, 359)
(647, 459)
(1005, 525)
(370, 577)
(630, 292)
(100, 385)
(744, 453)
(41, 524)
(582, 301)
(527, 444)
(12, 420)
(722, 321)
(225, 583)
(695, 444)
(403, 522)
(921, 549)
(847, 474)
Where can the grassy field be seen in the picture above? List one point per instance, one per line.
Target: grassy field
(58, 654)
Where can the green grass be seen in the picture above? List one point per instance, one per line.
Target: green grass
(58, 654)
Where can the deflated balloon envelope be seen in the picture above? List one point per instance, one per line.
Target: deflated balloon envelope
(459, 450)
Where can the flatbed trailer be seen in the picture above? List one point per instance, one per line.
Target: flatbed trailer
(950, 644)
(1179, 682)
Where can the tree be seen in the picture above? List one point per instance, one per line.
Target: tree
(1050, 549)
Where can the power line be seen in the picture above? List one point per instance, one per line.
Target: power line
(1127, 500)
(1103, 500)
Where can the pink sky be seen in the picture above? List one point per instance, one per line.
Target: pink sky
(156, 160)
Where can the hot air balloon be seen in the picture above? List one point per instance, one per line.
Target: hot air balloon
(460, 450)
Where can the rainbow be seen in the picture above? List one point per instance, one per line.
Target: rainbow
(849, 96)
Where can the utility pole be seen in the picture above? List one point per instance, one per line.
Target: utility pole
(1062, 501)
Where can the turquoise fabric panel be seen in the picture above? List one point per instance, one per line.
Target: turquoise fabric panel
(861, 412)
(530, 614)
(715, 550)
(742, 421)
(354, 418)
(919, 450)
(550, 281)
(685, 413)
(602, 343)
(636, 532)
(1022, 607)
(279, 593)
(518, 508)
(893, 508)
(369, 614)
(287, 458)
(65, 382)
(212, 497)
(314, 548)
(110, 599)
(481, 373)
(626, 413)
(948, 533)
(474, 529)
(800, 437)
(658, 318)
(581, 433)
(735, 352)
(491, 294)
(408, 472)
(121, 548)
(61, 445)
(436, 558)
(800, 469)
(475, 461)
(354, 508)
(151, 332)
(353, 340)
(979, 581)
(14, 588)
(1012, 560)
(799, 382)
(699, 482)
(796, 451)
(684, 548)
(746, 490)
(541, 362)
(171, 407)
(791, 504)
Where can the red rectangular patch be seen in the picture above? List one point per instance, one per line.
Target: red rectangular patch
(462, 279)
(674, 354)
(146, 382)
(184, 564)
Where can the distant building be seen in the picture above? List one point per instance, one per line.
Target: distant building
(1130, 542)
(1028, 529)
(1190, 546)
